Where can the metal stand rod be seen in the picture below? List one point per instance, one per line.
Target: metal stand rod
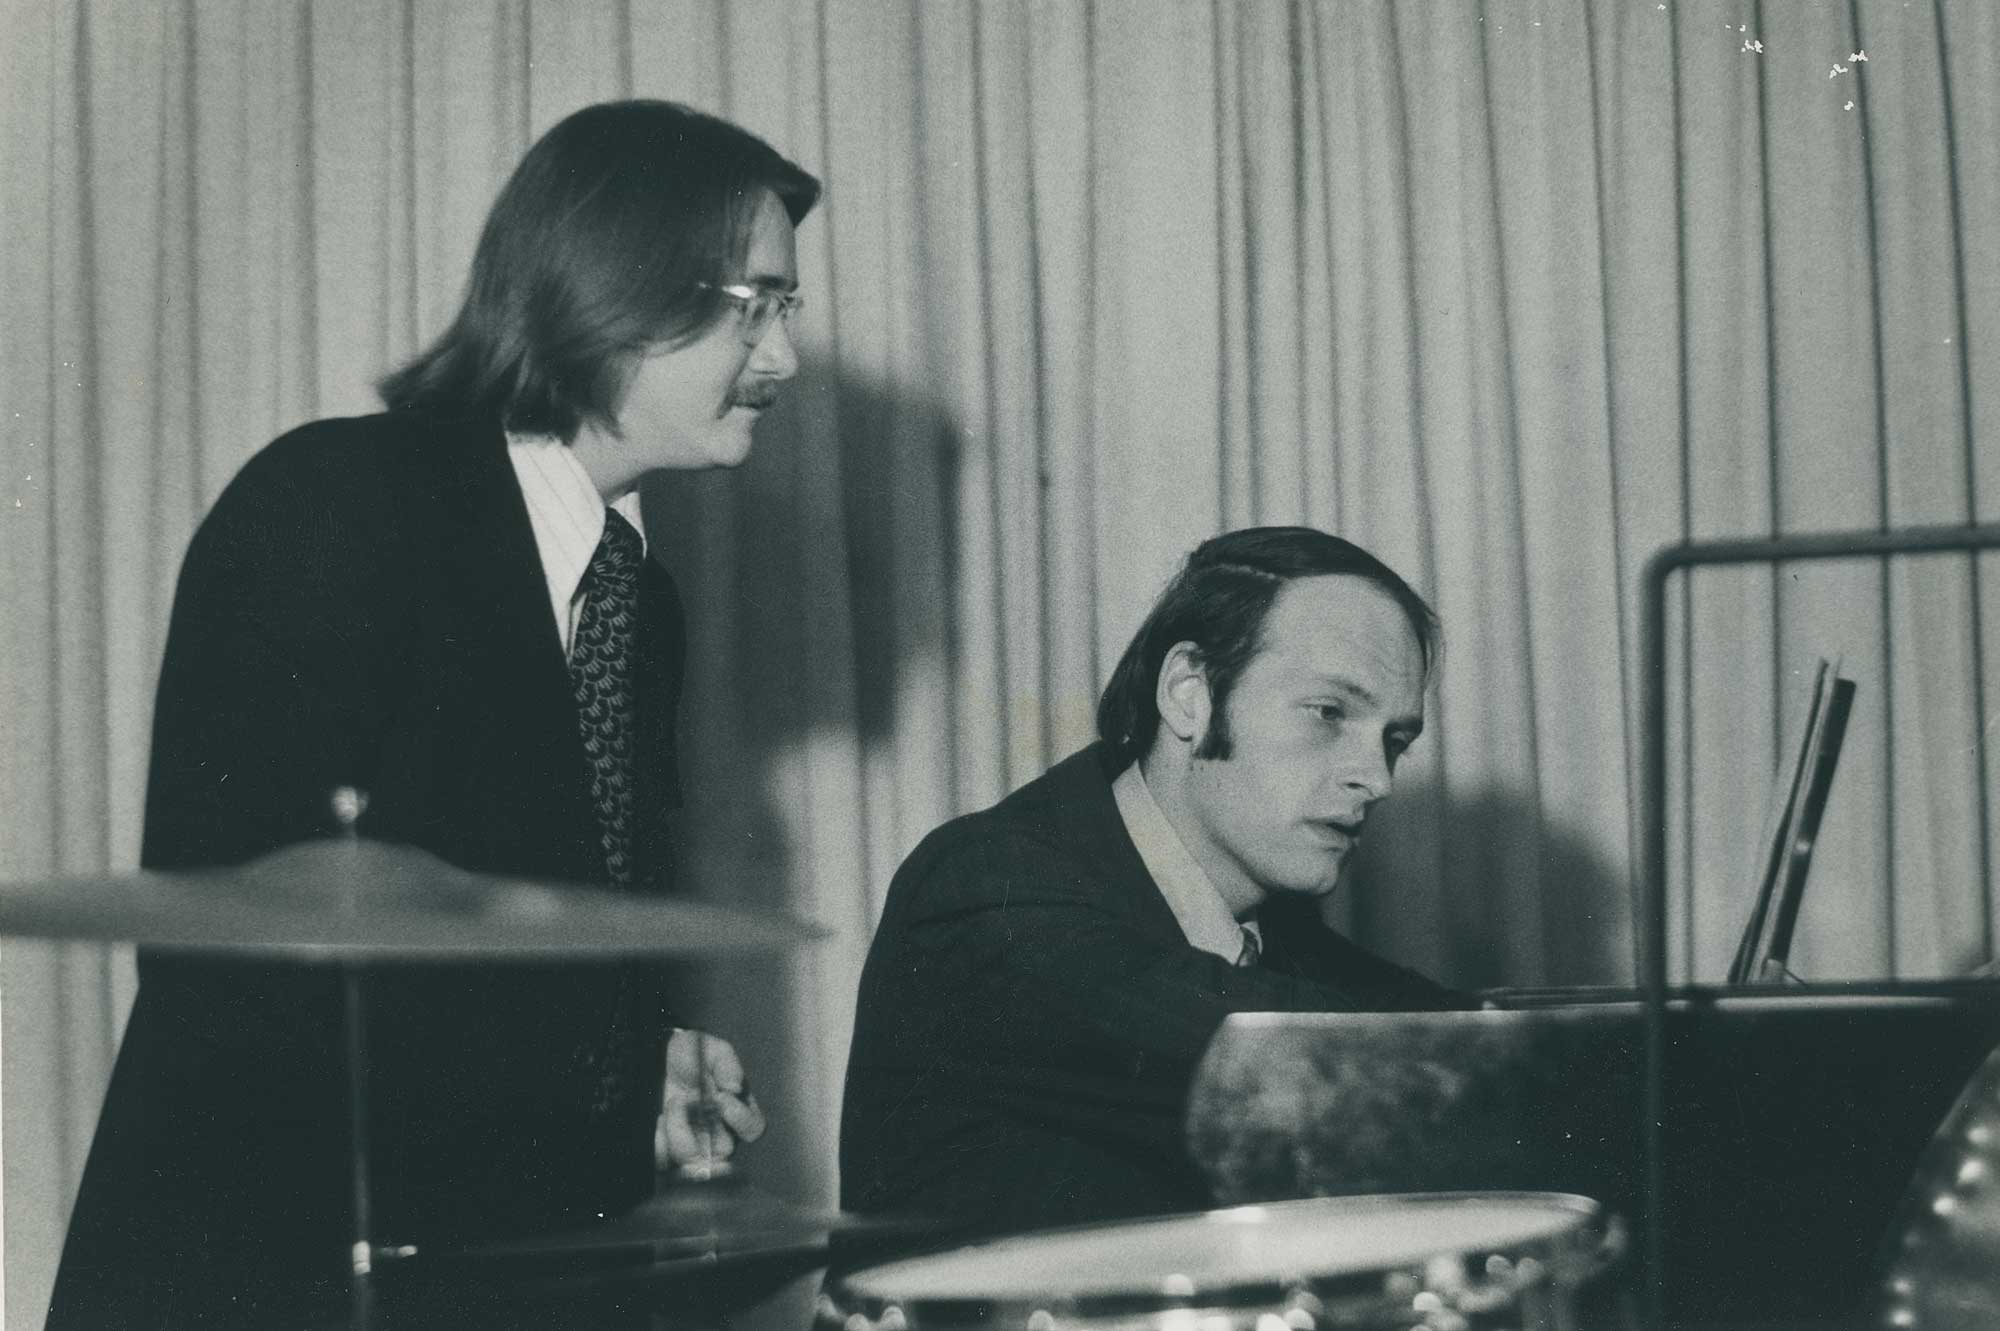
(1649, 921)
(361, 1277)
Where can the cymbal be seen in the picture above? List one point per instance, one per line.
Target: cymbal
(697, 1291)
(345, 899)
(724, 1219)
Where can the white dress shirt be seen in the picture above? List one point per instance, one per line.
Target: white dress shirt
(567, 514)
(1203, 915)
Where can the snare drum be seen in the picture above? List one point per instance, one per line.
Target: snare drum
(1494, 1261)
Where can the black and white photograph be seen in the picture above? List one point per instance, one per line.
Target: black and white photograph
(1000, 665)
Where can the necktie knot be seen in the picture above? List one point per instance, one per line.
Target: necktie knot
(1252, 948)
(614, 565)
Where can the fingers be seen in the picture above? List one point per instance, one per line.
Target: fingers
(691, 1138)
(674, 1141)
(695, 1129)
(721, 1069)
(684, 1059)
(705, 1108)
(695, 1055)
(696, 1148)
(741, 1115)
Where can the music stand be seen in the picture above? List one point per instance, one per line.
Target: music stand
(1649, 918)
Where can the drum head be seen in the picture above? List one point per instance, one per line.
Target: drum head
(1242, 1246)
(1245, 1262)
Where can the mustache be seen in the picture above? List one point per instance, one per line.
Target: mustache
(756, 396)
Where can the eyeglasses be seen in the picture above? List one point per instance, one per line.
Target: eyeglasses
(757, 307)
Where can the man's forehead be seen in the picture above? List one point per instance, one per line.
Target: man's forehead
(772, 256)
(1345, 632)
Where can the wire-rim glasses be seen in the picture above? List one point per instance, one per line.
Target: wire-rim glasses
(757, 307)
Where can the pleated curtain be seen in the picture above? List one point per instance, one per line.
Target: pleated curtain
(1512, 293)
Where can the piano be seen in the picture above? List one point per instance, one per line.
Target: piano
(1794, 1119)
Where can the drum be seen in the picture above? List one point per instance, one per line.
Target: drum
(1493, 1261)
(1944, 1247)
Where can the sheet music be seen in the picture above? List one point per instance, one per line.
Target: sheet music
(1765, 946)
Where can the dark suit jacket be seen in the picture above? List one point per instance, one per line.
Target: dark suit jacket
(365, 605)
(1030, 1016)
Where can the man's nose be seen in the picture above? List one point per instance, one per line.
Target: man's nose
(1366, 770)
(774, 356)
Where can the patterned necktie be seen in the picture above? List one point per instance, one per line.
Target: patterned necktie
(600, 670)
(1252, 949)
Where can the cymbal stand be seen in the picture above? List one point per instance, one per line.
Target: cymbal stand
(361, 1274)
(364, 1252)
(348, 805)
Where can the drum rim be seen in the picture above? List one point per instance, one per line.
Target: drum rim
(1261, 1292)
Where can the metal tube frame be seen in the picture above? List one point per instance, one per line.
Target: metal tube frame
(1649, 921)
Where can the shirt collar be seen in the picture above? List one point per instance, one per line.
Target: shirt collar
(1203, 915)
(565, 509)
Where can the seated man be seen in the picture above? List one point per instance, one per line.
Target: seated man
(1048, 971)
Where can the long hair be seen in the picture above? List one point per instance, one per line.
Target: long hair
(608, 239)
(1218, 602)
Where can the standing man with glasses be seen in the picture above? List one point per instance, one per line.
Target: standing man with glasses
(449, 606)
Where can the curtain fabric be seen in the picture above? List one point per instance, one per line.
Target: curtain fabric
(1512, 293)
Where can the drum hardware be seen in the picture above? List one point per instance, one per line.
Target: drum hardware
(723, 1217)
(361, 1278)
(356, 903)
(1943, 1250)
(700, 1290)
(705, 1248)
(1502, 1261)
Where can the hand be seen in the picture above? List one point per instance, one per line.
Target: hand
(705, 1109)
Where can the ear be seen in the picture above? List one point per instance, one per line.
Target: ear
(1181, 694)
